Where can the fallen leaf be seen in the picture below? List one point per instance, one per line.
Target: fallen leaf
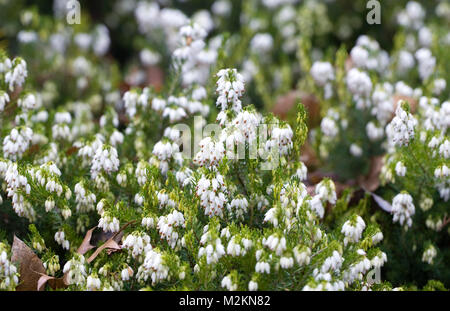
(349, 64)
(30, 266)
(371, 181)
(86, 244)
(385, 205)
(411, 101)
(42, 281)
(110, 244)
(71, 150)
(53, 282)
(59, 282)
(284, 104)
(155, 77)
(308, 156)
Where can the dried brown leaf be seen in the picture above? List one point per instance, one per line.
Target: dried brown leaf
(30, 266)
(308, 156)
(110, 244)
(371, 181)
(86, 244)
(155, 77)
(286, 103)
(42, 281)
(53, 282)
(411, 101)
(385, 205)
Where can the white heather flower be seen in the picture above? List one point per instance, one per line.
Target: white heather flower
(121, 179)
(139, 199)
(329, 127)
(183, 176)
(359, 83)
(61, 131)
(221, 7)
(105, 159)
(331, 263)
(84, 198)
(158, 104)
(17, 74)
(326, 191)
(402, 127)
(49, 204)
(429, 254)
(302, 171)
(353, 229)
(167, 226)
(212, 249)
(17, 142)
(164, 150)
(444, 149)
(76, 270)
(405, 61)
(426, 202)
(211, 192)
(359, 56)
(93, 283)
(228, 284)
(9, 276)
(316, 205)
(126, 274)
(233, 248)
(28, 102)
(412, 16)
(210, 154)
(130, 99)
(101, 40)
(230, 86)
(116, 138)
(302, 255)
(238, 207)
(141, 173)
(247, 122)
(373, 132)
(426, 63)
(403, 209)
(108, 223)
(174, 113)
(281, 139)
(137, 243)
(4, 99)
(199, 93)
(262, 267)
(276, 244)
(60, 239)
(400, 169)
(322, 73)
(261, 43)
(356, 150)
(252, 286)
(379, 260)
(286, 262)
(439, 85)
(148, 222)
(442, 171)
(154, 267)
